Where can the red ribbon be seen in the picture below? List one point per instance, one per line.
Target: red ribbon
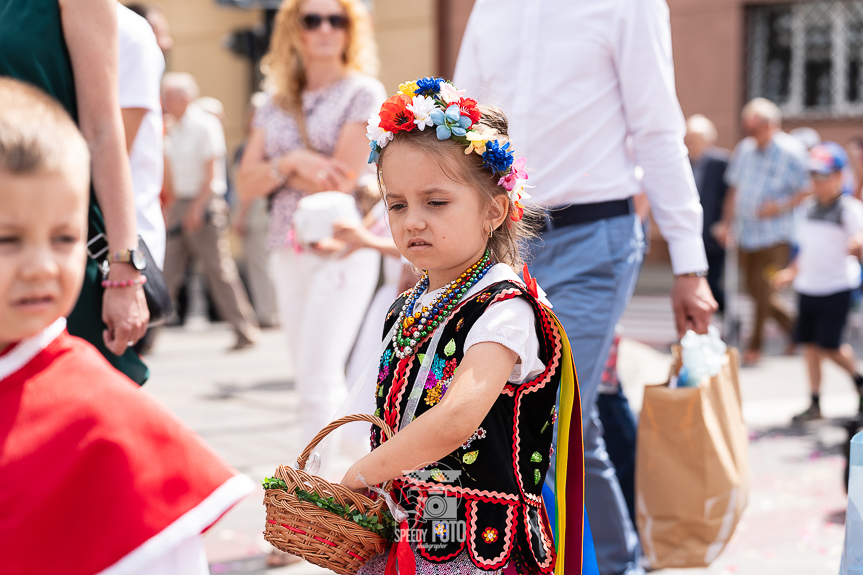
(529, 282)
(402, 554)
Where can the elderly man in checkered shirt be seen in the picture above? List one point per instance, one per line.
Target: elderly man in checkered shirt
(766, 178)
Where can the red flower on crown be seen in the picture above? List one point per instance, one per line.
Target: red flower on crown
(467, 107)
(395, 115)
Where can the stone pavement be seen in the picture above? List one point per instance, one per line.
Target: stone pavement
(243, 404)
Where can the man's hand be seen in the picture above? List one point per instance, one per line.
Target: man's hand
(194, 217)
(124, 311)
(769, 209)
(721, 230)
(693, 304)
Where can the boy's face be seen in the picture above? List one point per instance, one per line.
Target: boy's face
(827, 187)
(43, 230)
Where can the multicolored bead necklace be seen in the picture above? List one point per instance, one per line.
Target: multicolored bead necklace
(416, 325)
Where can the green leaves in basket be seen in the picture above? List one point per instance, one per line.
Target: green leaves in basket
(274, 483)
(386, 529)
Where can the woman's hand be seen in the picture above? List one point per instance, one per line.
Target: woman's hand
(318, 172)
(124, 311)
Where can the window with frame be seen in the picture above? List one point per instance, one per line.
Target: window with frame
(807, 57)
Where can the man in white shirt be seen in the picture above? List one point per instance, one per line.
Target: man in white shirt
(198, 221)
(141, 65)
(581, 82)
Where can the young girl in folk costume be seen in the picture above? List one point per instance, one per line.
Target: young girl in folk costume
(476, 357)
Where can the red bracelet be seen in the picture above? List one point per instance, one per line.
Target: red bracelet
(124, 283)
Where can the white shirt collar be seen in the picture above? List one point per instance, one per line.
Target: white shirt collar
(29, 348)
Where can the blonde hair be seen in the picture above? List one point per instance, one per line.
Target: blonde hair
(37, 135)
(283, 66)
(509, 243)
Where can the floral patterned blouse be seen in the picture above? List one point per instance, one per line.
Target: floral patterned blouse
(350, 100)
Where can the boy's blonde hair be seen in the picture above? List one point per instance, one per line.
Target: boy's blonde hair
(508, 244)
(37, 135)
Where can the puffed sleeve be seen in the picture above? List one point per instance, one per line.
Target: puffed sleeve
(365, 100)
(512, 324)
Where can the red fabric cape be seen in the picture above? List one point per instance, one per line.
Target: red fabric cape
(95, 475)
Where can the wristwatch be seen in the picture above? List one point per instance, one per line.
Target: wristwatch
(701, 274)
(132, 256)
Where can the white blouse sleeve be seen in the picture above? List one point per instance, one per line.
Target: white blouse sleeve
(512, 324)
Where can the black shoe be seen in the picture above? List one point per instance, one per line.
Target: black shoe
(813, 413)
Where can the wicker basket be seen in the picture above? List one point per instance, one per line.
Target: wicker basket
(302, 528)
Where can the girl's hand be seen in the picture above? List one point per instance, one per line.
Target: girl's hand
(327, 247)
(354, 235)
(350, 481)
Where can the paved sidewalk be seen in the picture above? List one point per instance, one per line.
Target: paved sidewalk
(244, 404)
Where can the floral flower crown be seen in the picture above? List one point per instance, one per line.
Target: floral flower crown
(435, 102)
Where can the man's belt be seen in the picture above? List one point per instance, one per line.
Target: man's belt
(584, 214)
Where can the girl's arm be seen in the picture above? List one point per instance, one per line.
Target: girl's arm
(358, 236)
(90, 29)
(478, 381)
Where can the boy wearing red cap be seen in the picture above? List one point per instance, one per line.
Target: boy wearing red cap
(829, 230)
(95, 476)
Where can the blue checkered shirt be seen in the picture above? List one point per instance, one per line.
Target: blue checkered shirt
(775, 173)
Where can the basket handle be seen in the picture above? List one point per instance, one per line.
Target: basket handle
(332, 426)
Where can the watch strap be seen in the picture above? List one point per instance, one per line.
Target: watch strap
(122, 256)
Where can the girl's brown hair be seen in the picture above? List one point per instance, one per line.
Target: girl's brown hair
(283, 65)
(509, 242)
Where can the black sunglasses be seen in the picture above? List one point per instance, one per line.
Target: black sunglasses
(314, 21)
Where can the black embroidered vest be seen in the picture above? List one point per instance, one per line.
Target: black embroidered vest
(486, 495)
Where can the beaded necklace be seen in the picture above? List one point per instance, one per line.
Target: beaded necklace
(416, 325)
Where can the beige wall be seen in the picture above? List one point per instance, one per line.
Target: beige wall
(406, 33)
(198, 27)
(407, 40)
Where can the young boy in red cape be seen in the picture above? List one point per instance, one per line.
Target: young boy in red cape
(95, 476)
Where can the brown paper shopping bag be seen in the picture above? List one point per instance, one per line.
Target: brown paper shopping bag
(691, 468)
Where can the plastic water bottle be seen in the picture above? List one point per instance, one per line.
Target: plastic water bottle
(702, 356)
(852, 555)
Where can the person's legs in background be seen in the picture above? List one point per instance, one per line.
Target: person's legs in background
(777, 257)
(589, 272)
(715, 267)
(758, 266)
(339, 292)
(176, 250)
(256, 254)
(210, 243)
(618, 428)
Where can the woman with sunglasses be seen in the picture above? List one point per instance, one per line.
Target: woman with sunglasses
(309, 137)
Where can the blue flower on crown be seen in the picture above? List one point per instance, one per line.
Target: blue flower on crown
(376, 153)
(450, 123)
(496, 157)
(428, 86)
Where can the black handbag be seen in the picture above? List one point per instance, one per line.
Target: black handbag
(155, 289)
